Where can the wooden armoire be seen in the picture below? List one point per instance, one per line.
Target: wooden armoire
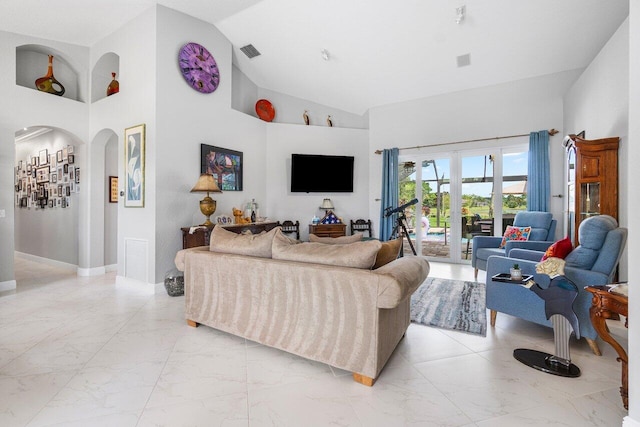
(592, 187)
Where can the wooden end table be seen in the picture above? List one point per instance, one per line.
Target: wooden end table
(608, 305)
(328, 230)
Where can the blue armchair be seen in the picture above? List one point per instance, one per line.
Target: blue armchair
(543, 231)
(593, 262)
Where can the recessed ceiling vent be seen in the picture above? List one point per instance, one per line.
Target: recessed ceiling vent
(250, 51)
(464, 60)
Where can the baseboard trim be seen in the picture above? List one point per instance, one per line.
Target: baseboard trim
(8, 285)
(47, 261)
(96, 271)
(110, 268)
(629, 422)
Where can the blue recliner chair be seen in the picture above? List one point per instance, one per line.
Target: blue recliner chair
(593, 262)
(543, 231)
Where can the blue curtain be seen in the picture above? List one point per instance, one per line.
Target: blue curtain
(389, 191)
(539, 185)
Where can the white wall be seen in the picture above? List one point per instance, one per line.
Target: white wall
(110, 209)
(598, 103)
(29, 107)
(285, 139)
(509, 109)
(186, 119)
(135, 44)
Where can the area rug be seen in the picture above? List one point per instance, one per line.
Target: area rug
(451, 304)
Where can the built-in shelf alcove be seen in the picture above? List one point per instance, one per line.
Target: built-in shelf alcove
(32, 62)
(101, 75)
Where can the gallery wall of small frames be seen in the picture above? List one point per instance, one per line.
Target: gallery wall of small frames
(47, 180)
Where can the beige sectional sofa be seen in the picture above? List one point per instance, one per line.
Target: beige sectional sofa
(319, 301)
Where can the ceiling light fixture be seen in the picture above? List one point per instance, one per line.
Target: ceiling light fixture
(325, 54)
(460, 13)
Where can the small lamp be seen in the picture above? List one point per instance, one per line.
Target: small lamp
(327, 205)
(207, 184)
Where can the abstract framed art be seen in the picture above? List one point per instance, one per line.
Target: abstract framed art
(225, 165)
(134, 148)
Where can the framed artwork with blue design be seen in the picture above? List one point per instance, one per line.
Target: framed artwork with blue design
(225, 165)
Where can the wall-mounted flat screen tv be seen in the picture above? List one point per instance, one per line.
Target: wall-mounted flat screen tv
(314, 173)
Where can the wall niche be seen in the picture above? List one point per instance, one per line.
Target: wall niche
(32, 63)
(104, 73)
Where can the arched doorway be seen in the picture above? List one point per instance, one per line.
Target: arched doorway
(47, 182)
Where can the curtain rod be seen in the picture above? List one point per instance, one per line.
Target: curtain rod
(551, 132)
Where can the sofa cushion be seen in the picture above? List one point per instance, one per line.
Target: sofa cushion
(515, 233)
(257, 245)
(357, 254)
(388, 252)
(559, 249)
(336, 240)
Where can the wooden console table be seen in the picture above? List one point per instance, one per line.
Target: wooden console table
(328, 230)
(201, 236)
(606, 305)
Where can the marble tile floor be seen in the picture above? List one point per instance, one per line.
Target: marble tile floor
(83, 351)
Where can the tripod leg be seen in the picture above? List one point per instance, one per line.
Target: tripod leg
(404, 230)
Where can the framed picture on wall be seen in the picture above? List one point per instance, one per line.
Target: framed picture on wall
(225, 165)
(134, 149)
(42, 175)
(113, 189)
(59, 156)
(43, 157)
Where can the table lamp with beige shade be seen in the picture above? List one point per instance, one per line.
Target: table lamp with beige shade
(207, 184)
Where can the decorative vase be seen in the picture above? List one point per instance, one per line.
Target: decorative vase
(516, 274)
(114, 86)
(48, 83)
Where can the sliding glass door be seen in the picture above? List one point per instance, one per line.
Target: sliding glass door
(461, 194)
(429, 222)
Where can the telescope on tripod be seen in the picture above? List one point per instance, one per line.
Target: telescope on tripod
(401, 220)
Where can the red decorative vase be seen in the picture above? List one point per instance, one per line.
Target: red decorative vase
(114, 86)
(48, 83)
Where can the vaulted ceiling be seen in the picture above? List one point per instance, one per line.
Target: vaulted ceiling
(379, 52)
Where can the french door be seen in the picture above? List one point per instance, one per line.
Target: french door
(461, 194)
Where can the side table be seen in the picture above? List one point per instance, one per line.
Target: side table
(328, 230)
(607, 305)
(200, 236)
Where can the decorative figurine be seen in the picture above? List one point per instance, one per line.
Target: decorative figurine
(114, 86)
(48, 83)
(329, 122)
(305, 117)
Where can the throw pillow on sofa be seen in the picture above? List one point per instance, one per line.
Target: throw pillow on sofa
(257, 245)
(356, 255)
(515, 233)
(559, 249)
(388, 252)
(336, 240)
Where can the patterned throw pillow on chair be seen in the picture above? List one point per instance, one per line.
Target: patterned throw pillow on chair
(559, 249)
(515, 233)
